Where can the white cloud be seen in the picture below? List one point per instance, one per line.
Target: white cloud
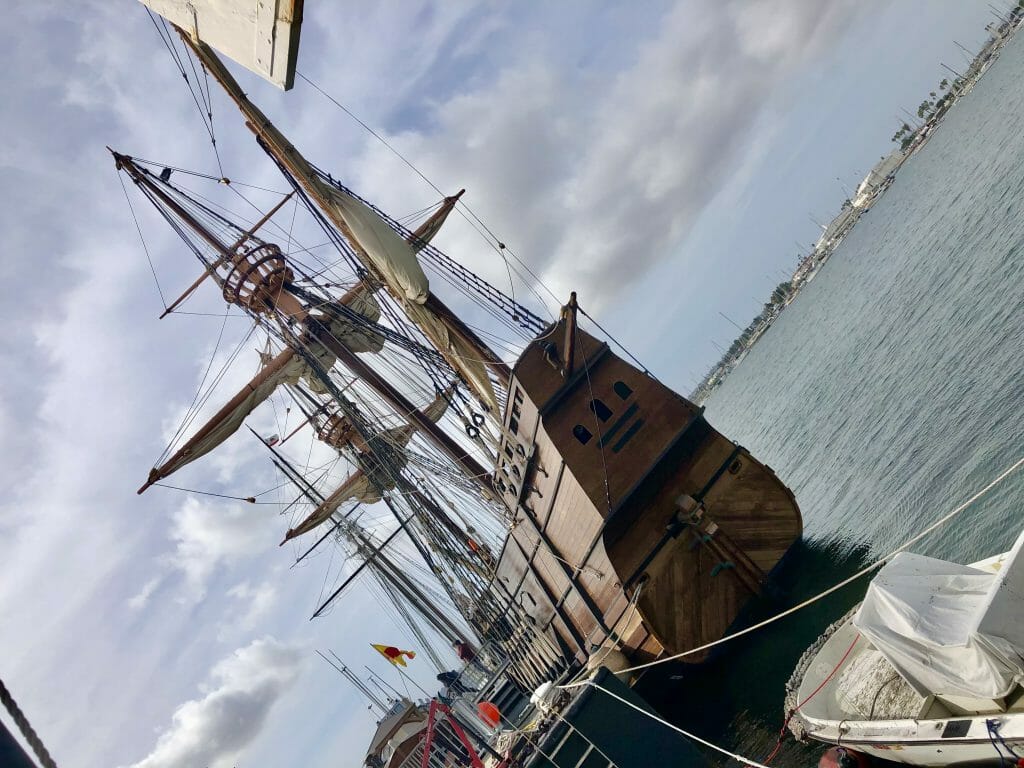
(590, 149)
(141, 599)
(254, 603)
(210, 534)
(594, 177)
(214, 729)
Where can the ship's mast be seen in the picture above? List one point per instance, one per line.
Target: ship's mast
(378, 560)
(290, 306)
(289, 157)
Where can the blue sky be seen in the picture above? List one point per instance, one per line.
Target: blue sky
(660, 158)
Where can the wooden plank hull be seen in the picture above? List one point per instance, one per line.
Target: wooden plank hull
(637, 524)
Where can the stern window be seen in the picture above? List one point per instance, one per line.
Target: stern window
(602, 411)
(582, 434)
(622, 389)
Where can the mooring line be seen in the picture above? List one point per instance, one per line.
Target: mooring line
(836, 587)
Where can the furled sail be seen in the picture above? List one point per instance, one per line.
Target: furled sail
(395, 259)
(382, 249)
(463, 356)
(359, 486)
(354, 334)
(391, 256)
(425, 232)
(284, 368)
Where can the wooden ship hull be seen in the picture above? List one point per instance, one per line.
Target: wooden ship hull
(637, 525)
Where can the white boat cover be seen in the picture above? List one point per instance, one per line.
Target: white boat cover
(949, 629)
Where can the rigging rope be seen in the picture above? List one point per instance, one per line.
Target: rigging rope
(27, 731)
(168, 40)
(692, 736)
(516, 311)
(145, 247)
(461, 577)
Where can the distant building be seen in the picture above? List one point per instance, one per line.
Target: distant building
(876, 177)
(838, 227)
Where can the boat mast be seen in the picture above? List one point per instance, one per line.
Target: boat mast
(285, 153)
(376, 558)
(289, 305)
(357, 683)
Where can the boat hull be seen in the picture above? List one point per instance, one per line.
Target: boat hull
(921, 742)
(932, 734)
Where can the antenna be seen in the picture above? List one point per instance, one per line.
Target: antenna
(950, 69)
(731, 321)
(381, 683)
(351, 676)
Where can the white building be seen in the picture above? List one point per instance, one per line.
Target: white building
(876, 177)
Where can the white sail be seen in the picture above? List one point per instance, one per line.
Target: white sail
(461, 355)
(354, 335)
(263, 37)
(389, 253)
(395, 259)
(284, 368)
(426, 231)
(384, 251)
(275, 371)
(358, 487)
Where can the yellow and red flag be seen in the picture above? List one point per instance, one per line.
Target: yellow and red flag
(393, 654)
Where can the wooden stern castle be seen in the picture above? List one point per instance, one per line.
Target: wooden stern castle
(636, 523)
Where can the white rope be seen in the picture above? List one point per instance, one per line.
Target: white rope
(863, 572)
(687, 734)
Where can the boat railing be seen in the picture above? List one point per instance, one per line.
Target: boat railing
(445, 747)
(487, 666)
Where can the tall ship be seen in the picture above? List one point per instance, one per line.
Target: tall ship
(557, 499)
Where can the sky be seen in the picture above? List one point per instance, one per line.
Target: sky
(663, 159)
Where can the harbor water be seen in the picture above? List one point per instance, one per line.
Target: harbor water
(889, 392)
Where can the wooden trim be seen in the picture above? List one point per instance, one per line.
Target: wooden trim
(626, 416)
(627, 436)
(673, 531)
(699, 496)
(681, 435)
(557, 608)
(585, 596)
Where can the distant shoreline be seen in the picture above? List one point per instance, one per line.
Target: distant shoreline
(911, 140)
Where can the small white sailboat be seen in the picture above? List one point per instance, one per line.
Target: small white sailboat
(928, 670)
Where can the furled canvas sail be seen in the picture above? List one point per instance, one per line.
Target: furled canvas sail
(359, 487)
(229, 418)
(355, 335)
(395, 259)
(425, 232)
(391, 256)
(285, 368)
(388, 254)
(463, 357)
